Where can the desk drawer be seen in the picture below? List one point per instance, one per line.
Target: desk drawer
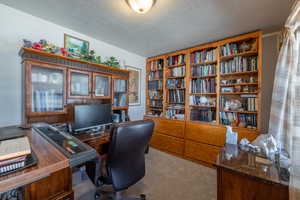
(205, 133)
(170, 127)
(167, 143)
(203, 152)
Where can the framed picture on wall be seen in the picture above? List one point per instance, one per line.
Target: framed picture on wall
(134, 86)
(75, 45)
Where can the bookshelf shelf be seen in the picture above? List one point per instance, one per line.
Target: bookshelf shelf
(205, 63)
(199, 106)
(174, 66)
(171, 77)
(206, 76)
(176, 103)
(203, 93)
(237, 111)
(249, 53)
(238, 84)
(175, 88)
(239, 73)
(237, 93)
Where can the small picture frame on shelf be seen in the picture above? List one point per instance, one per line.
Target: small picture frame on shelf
(76, 46)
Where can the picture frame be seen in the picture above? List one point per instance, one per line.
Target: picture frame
(75, 45)
(134, 85)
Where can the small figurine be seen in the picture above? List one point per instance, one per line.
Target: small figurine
(37, 46)
(27, 43)
(64, 52)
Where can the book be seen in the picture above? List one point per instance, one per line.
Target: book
(156, 65)
(14, 148)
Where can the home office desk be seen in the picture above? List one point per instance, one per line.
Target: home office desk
(49, 179)
(241, 177)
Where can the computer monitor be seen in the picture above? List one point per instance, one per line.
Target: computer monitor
(90, 116)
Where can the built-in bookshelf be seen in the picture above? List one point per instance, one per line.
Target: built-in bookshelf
(216, 83)
(155, 91)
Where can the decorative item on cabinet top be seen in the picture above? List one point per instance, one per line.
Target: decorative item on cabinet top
(73, 48)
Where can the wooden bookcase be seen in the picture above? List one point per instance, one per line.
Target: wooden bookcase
(53, 84)
(232, 98)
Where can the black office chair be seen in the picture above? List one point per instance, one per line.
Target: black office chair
(126, 156)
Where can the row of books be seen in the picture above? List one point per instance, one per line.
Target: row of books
(239, 64)
(202, 100)
(203, 114)
(252, 104)
(203, 85)
(236, 48)
(240, 120)
(177, 71)
(176, 83)
(120, 85)
(152, 85)
(156, 103)
(156, 65)
(47, 100)
(176, 96)
(154, 94)
(176, 60)
(204, 70)
(120, 99)
(204, 56)
(175, 114)
(155, 75)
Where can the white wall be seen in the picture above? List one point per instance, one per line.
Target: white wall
(16, 25)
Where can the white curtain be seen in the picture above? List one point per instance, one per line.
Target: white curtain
(285, 109)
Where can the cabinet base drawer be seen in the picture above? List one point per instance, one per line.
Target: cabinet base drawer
(167, 143)
(203, 152)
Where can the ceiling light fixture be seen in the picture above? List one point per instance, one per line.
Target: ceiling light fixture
(141, 6)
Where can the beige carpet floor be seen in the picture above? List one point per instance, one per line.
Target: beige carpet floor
(172, 178)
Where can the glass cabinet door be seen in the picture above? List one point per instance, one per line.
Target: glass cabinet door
(101, 86)
(80, 84)
(47, 89)
(120, 92)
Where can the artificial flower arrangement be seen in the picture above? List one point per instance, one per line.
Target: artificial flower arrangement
(90, 56)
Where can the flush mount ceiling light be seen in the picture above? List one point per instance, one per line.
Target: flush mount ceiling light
(141, 6)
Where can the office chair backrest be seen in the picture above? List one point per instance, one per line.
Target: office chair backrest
(126, 154)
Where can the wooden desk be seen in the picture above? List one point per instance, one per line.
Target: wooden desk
(242, 178)
(49, 179)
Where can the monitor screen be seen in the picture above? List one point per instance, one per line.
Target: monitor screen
(87, 116)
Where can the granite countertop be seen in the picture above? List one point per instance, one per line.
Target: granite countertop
(244, 162)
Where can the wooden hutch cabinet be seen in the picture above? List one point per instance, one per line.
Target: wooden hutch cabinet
(53, 83)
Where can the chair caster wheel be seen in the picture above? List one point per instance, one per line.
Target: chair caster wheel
(97, 196)
(143, 197)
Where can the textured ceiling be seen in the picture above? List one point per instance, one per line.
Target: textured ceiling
(170, 25)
